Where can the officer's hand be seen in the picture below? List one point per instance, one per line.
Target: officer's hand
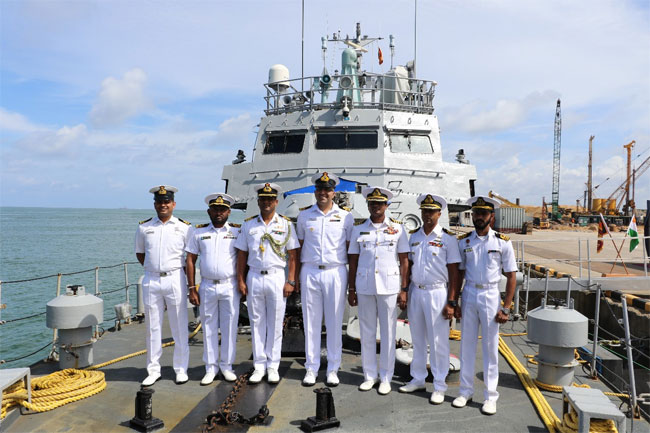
(502, 317)
(448, 312)
(457, 312)
(352, 298)
(402, 300)
(287, 290)
(194, 297)
(241, 286)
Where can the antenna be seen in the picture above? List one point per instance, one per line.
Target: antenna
(415, 39)
(302, 59)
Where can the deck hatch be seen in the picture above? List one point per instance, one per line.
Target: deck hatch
(340, 139)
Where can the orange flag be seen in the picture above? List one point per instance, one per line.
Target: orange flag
(380, 56)
(602, 231)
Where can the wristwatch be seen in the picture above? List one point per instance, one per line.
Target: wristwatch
(452, 303)
(291, 283)
(504, 310)
(405, 289)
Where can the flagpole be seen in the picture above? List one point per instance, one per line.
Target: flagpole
(618, 253)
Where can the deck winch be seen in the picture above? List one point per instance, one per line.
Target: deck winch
(558, 329)
(74, 314)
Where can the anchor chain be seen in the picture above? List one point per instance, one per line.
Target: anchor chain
(226, 416)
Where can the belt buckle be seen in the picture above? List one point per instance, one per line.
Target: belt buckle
(322, 267)
(420, 286)
(216, 281)
(264, 272)
(480, 286)
(164, 274)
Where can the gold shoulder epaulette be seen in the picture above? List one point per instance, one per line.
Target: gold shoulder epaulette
(449, 232)
(396, 221)
(464, 235)
(250, 218)
(305, 208)
(413, 231)
(200, 226)
(185, 222)
(235, 225)
(147, 220)
(347, 209)
(358, 223)
(285, 217)
(502, 236)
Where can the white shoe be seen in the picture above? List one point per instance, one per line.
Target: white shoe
(437, 397)
(384, 388)
(412, 387)
(489, 407)
(461, 401)
(257, 376)
(151, 379)
(332, 379)
(367, 385)
(310, 378)
(229, 375)
(208, 378)
(272, 375)
(181, 378)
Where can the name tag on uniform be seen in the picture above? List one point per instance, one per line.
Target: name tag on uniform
(415, 244)
(312, 219)
(494, 251)
(335, 220)
(230, 235)
(468, 250)
(364, 233)
(205, 237)
(149, 232)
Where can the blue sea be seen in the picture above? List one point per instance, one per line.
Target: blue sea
(43, 242)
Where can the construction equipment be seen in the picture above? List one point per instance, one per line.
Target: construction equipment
(616, 198)
(590, 191)
(627, 208)
(504, 201)
(543, 220)
(557, 144)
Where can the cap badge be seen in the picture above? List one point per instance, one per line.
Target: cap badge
(325, 177)
(219, 200)
(267, 188)
(428, 199)
(162, 190)
(480, 202)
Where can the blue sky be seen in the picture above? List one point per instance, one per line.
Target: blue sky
(100, 100)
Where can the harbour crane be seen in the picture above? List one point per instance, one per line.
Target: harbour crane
(623, 189)
(557, 144)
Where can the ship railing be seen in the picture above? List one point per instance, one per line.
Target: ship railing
(374, 91)
(113, 277)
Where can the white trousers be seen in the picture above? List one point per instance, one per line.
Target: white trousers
(158, 292)
(429, 329)
(219, 310)
(479, 307)
(384, 308)
(322, 292)
(266, 306)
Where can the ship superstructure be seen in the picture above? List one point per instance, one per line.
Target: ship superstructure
(369, 129)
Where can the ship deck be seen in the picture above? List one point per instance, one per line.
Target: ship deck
(184, 407)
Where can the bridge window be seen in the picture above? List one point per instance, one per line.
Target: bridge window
(410, 143)
(334, 140)
(284, 143)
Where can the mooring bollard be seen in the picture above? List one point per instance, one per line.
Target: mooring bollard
(325, 412)
(143, 419)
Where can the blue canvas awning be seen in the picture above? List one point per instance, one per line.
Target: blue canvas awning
(344, 185)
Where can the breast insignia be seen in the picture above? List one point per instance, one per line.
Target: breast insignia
(305, 208)
(502, 236)
(358, 223)
(414, 231)
(449, 232)
(396, 221)
(200, 226)
(235, 225)
(252, 217)
(185, 222)
(464, 235)
(145, 221)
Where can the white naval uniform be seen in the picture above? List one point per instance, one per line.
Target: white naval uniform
(483, 259)
(428, 296)
(378, 282)
(164, 284)
(323, 280)
(265, 281)
(218, 292)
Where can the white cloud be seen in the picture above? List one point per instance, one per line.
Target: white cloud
(15, 122)
(62, 142)
(120, 100)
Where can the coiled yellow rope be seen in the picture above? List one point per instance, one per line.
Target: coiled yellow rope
(64, 386)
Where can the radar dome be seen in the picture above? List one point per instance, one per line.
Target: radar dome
(278, 77)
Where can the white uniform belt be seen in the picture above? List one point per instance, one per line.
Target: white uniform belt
(164, 273)
(436, 285)
(219, 281)
(266, 271)
(325, 266)
(483, 285)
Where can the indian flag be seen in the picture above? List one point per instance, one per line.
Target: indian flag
(633, 234)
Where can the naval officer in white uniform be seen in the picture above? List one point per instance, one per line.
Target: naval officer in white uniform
(217, 297)
(434, 259)
(159, 245)
(324, 231)
(485, 254)
(378, 259)
(267, 244)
